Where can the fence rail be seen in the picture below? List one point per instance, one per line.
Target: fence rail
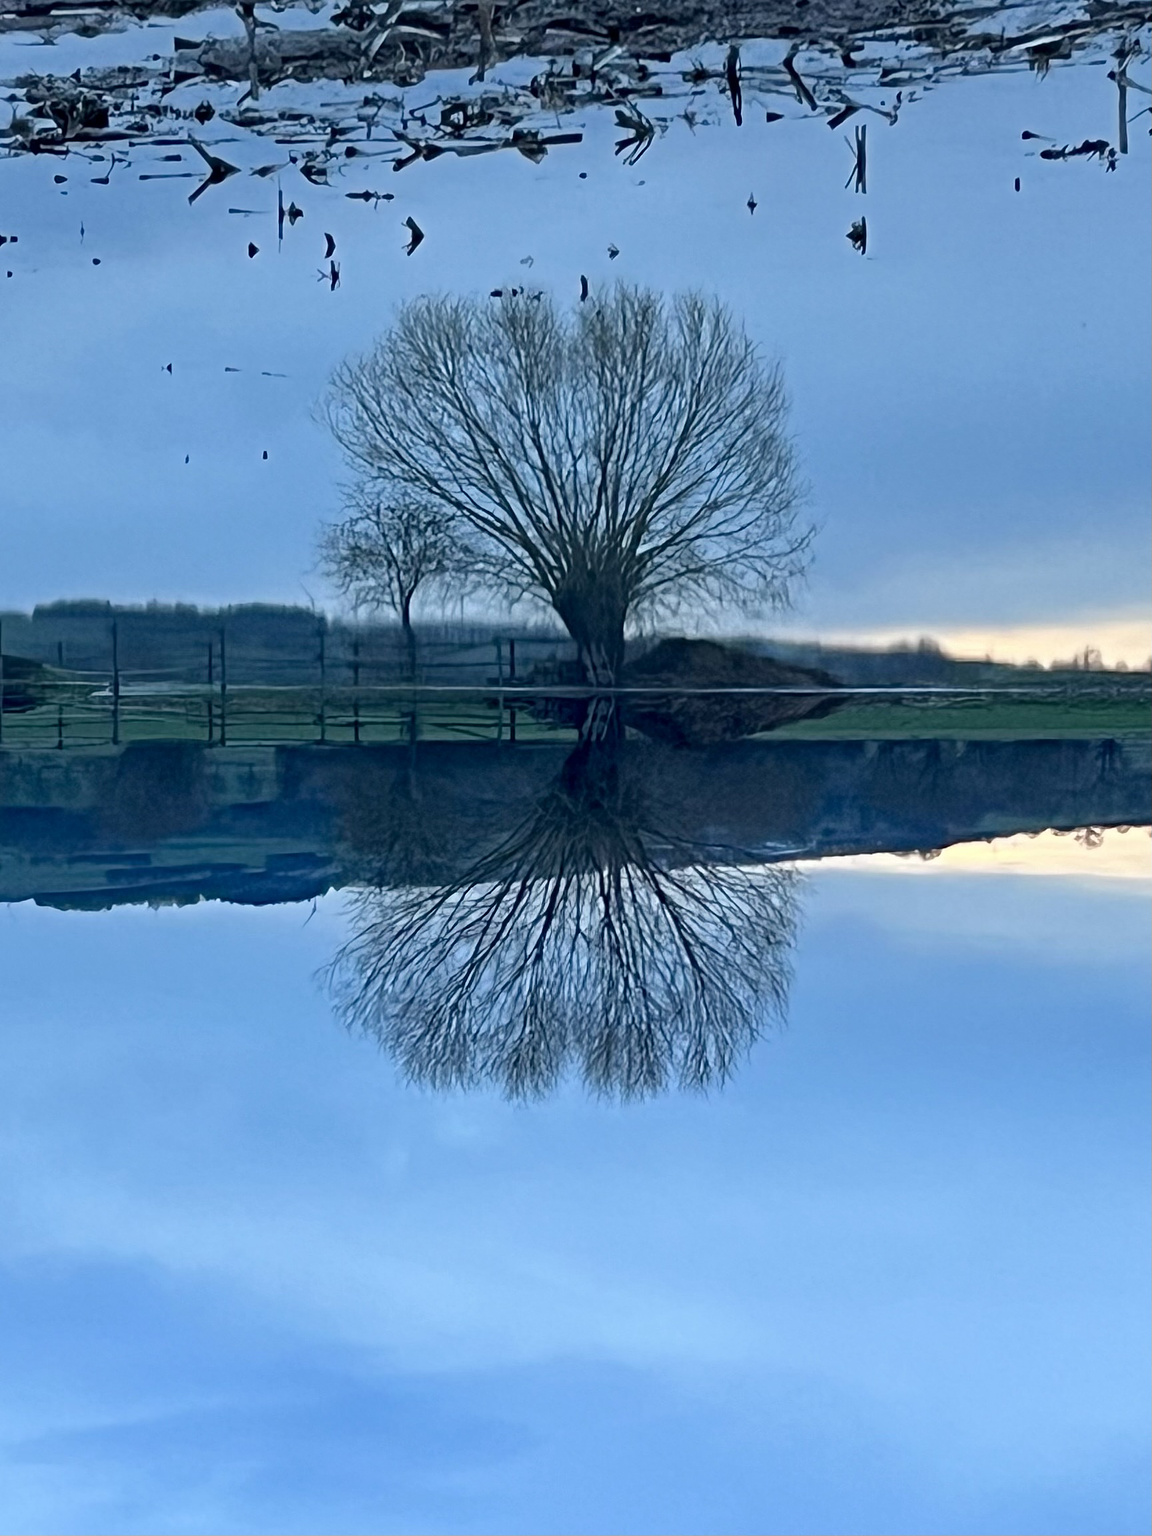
(350, 687)
(353, 688)
(105, 712)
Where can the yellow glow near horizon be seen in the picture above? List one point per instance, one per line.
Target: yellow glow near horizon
(1127, 640)
(1111, 854)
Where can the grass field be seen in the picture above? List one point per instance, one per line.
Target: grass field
(984, 720)
(77, 718)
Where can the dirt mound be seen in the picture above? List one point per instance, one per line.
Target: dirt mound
(25, 683)
(688, 718)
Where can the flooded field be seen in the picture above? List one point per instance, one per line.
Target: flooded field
(575, 767)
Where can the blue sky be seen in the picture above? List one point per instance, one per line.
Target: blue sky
(892, 1280)
(971, 400)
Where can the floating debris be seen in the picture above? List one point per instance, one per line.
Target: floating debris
(803, 95)
(218, 170)
(1091, 149)
(859, 177)
(641, 132)
(345, 89)
(732, 80)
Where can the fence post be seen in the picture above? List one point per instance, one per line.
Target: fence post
(356, 689)
(512, 680)
(500, 695)
(1, 684)
(60, 703)
(323, 719)
(223, 692)
(211, 701)
(115, 684)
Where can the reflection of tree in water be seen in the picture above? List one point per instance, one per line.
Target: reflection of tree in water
(586, 939)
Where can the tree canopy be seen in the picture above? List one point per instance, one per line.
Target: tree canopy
(387, 547)
(615, 461)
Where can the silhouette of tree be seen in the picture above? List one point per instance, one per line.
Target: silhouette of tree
(613, 462)
(388, 548)
(587, 940)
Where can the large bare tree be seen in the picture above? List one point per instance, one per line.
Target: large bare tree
(614, 462)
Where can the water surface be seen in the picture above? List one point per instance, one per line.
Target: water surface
(422, 1118)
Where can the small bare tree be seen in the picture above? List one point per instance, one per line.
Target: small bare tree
(387, 548)
(613, 462)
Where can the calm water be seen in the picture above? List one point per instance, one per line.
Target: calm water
(492, 1264)
(892, 1278)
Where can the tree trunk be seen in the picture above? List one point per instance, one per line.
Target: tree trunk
(593, 611)
(409, 634)
(410, 649)
(599, 641)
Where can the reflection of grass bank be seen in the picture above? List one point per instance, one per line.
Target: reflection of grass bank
(76, 716)
(988, 720)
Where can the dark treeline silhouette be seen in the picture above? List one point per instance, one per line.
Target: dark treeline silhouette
(279, 643)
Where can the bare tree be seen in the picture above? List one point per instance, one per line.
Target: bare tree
(613, 462)
(387, 548)
(585, 938)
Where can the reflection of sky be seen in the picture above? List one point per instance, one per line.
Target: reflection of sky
(971, 399)
(1101, 853)
(892, 1280)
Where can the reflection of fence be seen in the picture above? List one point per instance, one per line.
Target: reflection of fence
(94, 712)
(231, 715)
